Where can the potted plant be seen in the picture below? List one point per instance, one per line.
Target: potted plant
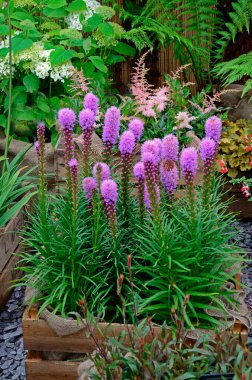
(82, 239)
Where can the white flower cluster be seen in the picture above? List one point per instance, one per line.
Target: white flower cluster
(36, 60)
(73, 19)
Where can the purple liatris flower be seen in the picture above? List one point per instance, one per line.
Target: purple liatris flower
(111, 129)
(101, 170)
(86, 121)
(147, 198)
(207, 149)
(138, 171)
(66, 117)
(37, 149)
(213, 127)
(73, 166)
(151, 147)
(126, 147)
(136, 126)
(91, 102)
(89, 187)
(109, 199)
(169, 176)
(41, 130)
(127, 143)
(189, 164)
(170, 148)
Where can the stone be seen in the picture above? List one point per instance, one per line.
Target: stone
(240, 107)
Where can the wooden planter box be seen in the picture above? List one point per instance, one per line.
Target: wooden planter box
(39, 337)
(9, 241)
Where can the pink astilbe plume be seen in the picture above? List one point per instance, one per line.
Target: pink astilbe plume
(149, 100)
(78, 83)
(183, 120)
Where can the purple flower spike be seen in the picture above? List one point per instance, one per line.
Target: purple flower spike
(136, 126)
(169, 148)
(127, 142)
(86, 119)
(109, 198)
(147, 200)
(66, 117)
(36, 147)
(109, 191)
(103, 169)
(138, 171)
(73, 166)
(207, 149)
(169, 176)
(151, 147)
(189, 163)
(213, 127)
(40, 129)
(111, 125)
(89, 187)
(91, 102)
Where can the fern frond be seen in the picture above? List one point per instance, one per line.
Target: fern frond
(241, 17)
(236, 69)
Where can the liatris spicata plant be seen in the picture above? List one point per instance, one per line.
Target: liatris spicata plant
(101, 171)
(73, 167)
(109, 198)
(66, 118)
(136, 126)
(147, 199)
(152, 147)
(138, 171)
(126, 147)
(207, 153)
(86, 121)
(189, 164)
(150, 170)
(213, 127)
(89, 186)
(170, 148)
(91, 102)
(169, 176)
(110, 130)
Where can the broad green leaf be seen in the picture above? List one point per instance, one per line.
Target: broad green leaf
(87, 44)
(60, 55)
(88, 69)
(98, 63)
(19, 44)
(94, 21)
(125, 49)
(58, 13)
(4, 52)
(4, 30)
(27, 115)
(77, 6)
(42, 104)
(114, 58)
(2, 18)
(3, 121)
(31, 83)
(106, 29)
(21, 16)
(55, 4)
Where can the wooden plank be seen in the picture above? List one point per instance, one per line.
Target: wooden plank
(38, 369)
(9, 238)
(9, 274)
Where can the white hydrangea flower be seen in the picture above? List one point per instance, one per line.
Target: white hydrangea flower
(61, 72)
(41, 69)
(73, 19)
